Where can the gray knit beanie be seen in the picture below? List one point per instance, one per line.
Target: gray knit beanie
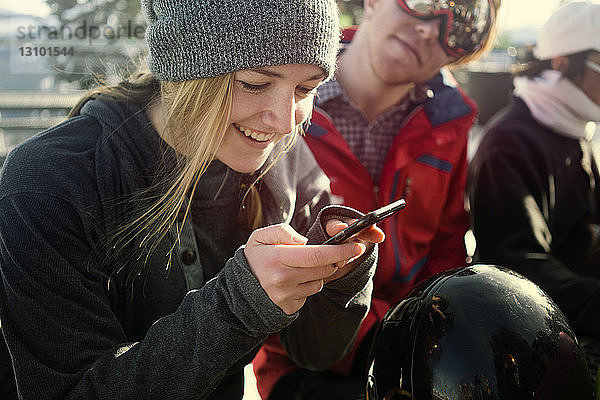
(190, 39)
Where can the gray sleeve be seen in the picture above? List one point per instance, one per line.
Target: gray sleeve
(186, 354)
(328, 322)
(65, 340)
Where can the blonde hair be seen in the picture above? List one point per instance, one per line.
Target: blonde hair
(196, 115)
(191, 110)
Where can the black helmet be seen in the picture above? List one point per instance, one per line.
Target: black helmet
(479, 332)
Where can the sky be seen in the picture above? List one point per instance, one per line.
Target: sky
(514, 13)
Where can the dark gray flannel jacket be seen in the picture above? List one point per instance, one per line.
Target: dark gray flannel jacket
(74, 332)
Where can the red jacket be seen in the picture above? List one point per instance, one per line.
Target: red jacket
(426, 165)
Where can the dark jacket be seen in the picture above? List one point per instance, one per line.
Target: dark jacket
(74, 329)
(534, 201)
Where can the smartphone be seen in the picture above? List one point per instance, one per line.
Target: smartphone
(365, 221)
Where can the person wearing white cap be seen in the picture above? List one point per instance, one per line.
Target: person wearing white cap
(534, 184)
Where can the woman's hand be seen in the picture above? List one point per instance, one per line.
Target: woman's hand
(368, 237)
(288, 270)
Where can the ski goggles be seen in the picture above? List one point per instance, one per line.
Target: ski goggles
(465, 24)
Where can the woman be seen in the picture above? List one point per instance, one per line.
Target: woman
(122, 271)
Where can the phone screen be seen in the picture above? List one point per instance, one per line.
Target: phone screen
(365, 221)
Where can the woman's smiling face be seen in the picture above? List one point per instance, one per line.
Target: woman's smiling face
(268, 103)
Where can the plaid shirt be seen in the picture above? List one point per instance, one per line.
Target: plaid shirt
(368, 140)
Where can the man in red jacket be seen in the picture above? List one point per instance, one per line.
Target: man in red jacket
(393, 124)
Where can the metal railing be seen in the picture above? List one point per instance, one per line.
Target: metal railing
(26, 113)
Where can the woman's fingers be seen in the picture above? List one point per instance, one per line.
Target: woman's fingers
(288, 270)
(309, 288)
(301, 293)
(315, 255)
(372, 234)
(277, 234)
(333, 226)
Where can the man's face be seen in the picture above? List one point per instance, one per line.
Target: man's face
(402, 48)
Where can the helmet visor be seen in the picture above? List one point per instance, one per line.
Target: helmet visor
(465, 24)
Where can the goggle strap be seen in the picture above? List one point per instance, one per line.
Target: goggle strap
(448, 19)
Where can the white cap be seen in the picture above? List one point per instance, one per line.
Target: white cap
(574, 27)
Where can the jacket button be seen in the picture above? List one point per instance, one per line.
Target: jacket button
(188, 256)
